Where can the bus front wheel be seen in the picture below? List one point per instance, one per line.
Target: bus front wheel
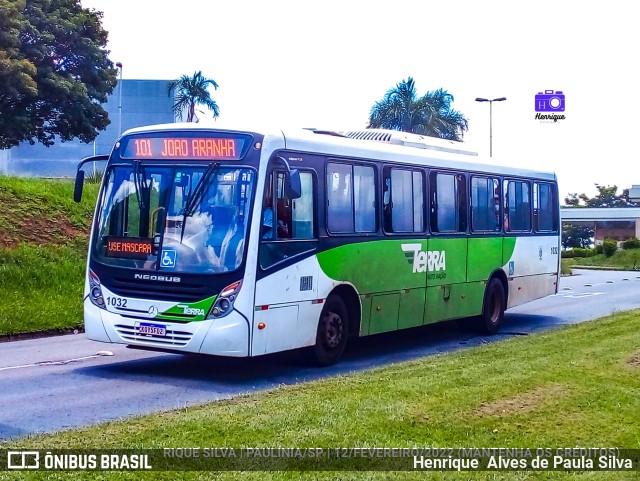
(333, 327)
(493, 307)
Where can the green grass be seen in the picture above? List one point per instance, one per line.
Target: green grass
(51, 199)
(41, 287)
(43, 245)
(573, 387)
(623, 260)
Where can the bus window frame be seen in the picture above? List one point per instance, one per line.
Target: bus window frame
(376, 179)
(500, 214)
(267, 242)
(554, 204)
(505, 197)
(462, 208)
(385, 167)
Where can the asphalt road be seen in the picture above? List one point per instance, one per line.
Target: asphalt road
(57, 383)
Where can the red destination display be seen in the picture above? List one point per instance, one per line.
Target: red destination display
(132, 247)
(208, 148)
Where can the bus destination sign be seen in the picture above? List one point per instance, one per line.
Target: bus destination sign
(131, 247)
(205, 148)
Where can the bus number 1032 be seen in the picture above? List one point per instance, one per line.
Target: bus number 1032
(116, 302)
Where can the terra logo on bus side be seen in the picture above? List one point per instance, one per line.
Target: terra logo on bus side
(424, 261)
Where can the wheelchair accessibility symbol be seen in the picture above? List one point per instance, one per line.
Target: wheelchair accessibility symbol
(168, 258)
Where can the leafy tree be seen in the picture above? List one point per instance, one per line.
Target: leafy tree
(607, 197)
(192, 91)
(576, 235)
(402, 109)
(54, 72)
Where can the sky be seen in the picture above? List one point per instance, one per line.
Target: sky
(324, 64)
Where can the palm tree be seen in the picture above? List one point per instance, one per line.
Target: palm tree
(431, 114)
(192, 91)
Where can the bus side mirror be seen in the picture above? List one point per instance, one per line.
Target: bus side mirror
(294, 186)
(77, 190)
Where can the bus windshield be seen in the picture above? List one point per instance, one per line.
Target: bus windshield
(188, 219)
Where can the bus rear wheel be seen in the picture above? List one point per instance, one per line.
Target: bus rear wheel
(333, 328)
(493, 307)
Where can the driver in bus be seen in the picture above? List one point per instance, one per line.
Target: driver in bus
(267, 218)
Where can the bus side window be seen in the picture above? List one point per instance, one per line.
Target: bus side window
(351, 198)
(448, 202)
(485, 204)
(276, 214)
(403, 200)
(517, 206)
(287, 219)
(302, 212)
(544, 210)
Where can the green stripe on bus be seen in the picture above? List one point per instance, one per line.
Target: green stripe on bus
(410, 282)
(196, 311)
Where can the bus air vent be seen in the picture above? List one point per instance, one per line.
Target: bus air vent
(396, 137)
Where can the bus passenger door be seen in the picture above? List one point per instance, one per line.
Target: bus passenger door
(446, 258)
(285, 313)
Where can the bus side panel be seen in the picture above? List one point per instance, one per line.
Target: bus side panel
(454, 301)
(411, 308)
(485, 256)
(384, 313)
(386, 275)
(531, 265)
(446, 278)
(365, 302)
(286, 305)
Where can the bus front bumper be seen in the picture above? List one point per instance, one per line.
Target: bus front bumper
(228, 336)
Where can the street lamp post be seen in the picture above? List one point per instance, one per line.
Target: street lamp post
(500, 99)
(119, 67)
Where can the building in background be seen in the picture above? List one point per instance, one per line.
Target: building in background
(144, 102)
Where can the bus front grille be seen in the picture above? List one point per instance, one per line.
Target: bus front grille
(172, 337)
(160, 291)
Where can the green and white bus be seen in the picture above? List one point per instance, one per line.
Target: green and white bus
(244, 243)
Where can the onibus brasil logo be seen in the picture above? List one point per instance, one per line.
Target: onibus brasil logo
(424, 261)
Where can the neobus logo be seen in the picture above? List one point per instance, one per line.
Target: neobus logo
(151, 277)
(424, 261)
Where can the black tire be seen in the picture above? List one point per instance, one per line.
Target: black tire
(493, 307)
(332, 333)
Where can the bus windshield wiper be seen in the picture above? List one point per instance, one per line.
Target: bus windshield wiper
(138, 182)
(196, 195)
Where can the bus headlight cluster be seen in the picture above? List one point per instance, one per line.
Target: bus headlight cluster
(95, 290)
(224, 303)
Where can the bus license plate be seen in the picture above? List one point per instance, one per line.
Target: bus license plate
(152, 329)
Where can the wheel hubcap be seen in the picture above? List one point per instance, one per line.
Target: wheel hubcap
(333, 329)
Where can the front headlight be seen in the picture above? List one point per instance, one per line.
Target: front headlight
(95, 290)
(224, 302)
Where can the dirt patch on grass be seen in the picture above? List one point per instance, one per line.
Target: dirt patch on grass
(525, 402)
(634, 360)
(37, 230)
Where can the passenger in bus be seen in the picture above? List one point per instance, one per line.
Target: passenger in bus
(232, 246)
(496, 200)
(283, 211)
(267, 219)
